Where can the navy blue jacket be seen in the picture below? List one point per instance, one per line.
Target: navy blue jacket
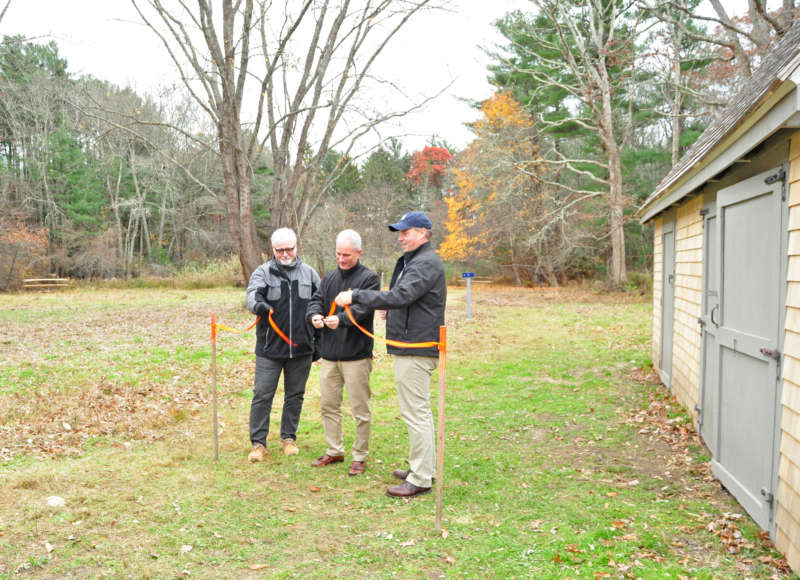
(415, 300)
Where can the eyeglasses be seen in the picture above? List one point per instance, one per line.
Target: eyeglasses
(283, 250)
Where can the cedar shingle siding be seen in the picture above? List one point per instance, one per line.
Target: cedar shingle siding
(694, 181)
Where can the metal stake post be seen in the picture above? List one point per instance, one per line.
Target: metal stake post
(468, 276)
(469, 298)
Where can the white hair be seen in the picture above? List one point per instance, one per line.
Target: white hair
(283, 235)
(349, 236)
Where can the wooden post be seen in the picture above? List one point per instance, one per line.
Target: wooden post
(440, 450)
(214, 383)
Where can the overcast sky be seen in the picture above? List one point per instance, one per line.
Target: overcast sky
(105, 38)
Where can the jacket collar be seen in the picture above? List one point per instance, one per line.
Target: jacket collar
(280, 270)
(350, 271)
(408, 255)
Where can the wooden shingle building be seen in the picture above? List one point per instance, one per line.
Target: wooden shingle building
(726, 299)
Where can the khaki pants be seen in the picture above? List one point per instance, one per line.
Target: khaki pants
(332, 377)
(413, 377)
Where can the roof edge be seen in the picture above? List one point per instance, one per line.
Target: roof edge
(782, 87)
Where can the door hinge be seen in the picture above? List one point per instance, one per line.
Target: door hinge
(780, 175)
(771, 353)
(768, 495)
(700, 321)
(704, 211)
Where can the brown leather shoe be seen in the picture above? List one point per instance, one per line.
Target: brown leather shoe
(406, 489)
(401, 474)
(326, 460)
(357, 467)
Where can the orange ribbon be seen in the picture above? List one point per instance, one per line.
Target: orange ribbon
(278, 330)
(388, 341)
(215, 326)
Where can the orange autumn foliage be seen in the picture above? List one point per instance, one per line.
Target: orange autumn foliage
(491, 177)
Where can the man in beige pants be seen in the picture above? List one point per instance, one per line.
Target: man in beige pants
(346, 353)
(415, 302)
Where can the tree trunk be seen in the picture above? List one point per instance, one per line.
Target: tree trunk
(615, 197)
(742, 60)
(235, 172)
(677, 95)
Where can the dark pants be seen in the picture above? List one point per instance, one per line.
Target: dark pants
(268, 371)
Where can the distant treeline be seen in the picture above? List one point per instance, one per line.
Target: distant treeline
(593, 105)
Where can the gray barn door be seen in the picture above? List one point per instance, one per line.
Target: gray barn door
(709, 321)
(750, 231)
(667, 301)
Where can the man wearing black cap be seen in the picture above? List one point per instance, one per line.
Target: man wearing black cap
(415, 301)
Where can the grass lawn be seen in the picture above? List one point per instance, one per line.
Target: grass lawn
(563, 457)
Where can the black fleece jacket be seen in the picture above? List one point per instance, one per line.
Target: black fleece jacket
(345, 342)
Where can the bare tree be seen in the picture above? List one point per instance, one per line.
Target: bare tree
(584, 50)
(3, 11)
(759, 30)
(306, 63)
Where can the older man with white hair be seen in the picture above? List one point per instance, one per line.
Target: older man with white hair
(284, 286)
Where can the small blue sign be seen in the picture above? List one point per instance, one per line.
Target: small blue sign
(467, 274)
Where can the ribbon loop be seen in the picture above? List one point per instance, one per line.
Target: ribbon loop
(278, 330)
(389, 341)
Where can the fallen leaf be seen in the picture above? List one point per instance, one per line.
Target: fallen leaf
(445, 533)
(186, 548)
(48, 547)
(314, 488)
(407, 544)
(619, 523)
(258, 566)
(449, 559)
(573, 548)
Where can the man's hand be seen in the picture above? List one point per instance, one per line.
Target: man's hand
(344, 298)
(332, 322)
(262, 309)
(381, 314)
(316, 321)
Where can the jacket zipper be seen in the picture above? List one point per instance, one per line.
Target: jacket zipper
(291, 354)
